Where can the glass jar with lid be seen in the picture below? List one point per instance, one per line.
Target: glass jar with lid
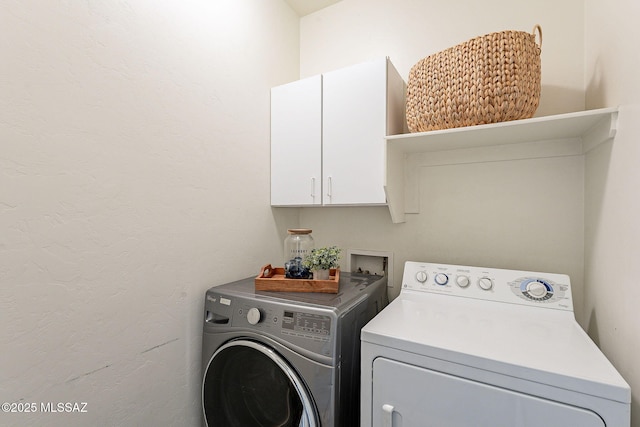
(297, 246)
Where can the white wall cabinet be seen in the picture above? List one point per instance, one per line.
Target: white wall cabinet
(296, 143)
(328, 135)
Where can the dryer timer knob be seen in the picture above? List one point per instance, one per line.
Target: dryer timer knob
(421, 276)
(485, 283)
(441, 279)
(254, 316)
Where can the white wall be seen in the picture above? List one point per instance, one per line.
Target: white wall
(353, 31)
(133, 176)
(585, 216)
(612, 213)
(524, 214)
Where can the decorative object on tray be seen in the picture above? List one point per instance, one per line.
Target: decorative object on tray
(488, 79)
(273, 279)
(297, 245)
(321, 260)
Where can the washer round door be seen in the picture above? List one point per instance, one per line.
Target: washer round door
(248, 384)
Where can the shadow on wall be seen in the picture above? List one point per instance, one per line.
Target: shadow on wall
(596, 175)
(285, 218)
(592, 327)
(595, 186)
(553, 96)
(596, 89)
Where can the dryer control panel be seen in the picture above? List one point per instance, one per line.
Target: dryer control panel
(547, 290)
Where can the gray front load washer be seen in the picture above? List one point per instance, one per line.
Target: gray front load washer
(285, 358)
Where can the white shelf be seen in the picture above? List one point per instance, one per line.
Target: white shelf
(563, 134)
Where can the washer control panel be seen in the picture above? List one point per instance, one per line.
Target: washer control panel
(309, 329)
(548, 290)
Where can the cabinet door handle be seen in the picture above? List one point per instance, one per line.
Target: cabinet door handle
(387, 415)
(329, 187)
(313, 187)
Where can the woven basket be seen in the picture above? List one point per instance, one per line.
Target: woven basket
(488, 79)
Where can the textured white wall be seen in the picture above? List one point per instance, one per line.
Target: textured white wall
(134, 147)
(585, 216)
(352, 31)
(518, 214)
(612, 175)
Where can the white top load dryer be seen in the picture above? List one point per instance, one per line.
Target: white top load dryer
(483, 347)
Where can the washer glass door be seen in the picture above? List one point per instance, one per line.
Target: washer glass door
(248, 384)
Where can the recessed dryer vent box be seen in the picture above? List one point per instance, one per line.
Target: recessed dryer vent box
(378, 263)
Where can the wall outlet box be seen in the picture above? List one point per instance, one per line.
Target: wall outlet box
(378, 263)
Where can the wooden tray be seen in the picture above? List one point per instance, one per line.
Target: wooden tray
(273, 279)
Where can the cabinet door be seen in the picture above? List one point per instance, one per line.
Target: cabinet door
(353, 129)
(296, 141)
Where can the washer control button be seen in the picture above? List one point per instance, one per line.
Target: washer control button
(254, 316)
(485, 283)
(441, 279)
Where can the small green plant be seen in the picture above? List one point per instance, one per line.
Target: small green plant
(322, 258)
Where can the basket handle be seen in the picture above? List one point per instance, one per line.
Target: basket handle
(538, 28)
